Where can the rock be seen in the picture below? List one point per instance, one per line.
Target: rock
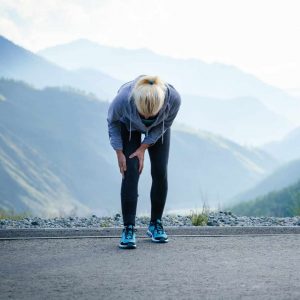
(117, 217)
(210, 223)
(34, 223)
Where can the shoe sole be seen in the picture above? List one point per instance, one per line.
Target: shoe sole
(127, 246)
(154, 240)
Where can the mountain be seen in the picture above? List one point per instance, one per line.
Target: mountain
(243, 119)
(19, 63)
(282, 203)
(282, 177)
(286, 149)
(190, 76)
(28, 183)
(54, 143)
(68, 129)
(210, 168)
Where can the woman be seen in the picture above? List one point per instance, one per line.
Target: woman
(146, 105)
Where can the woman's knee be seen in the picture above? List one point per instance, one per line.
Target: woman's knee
(159, 172)
(132, 166)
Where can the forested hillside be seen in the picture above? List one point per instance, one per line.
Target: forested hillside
(282, 203)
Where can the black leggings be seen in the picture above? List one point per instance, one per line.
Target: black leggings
(159, 156)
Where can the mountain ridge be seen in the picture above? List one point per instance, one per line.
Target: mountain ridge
(286, 149)
(20, 63)
(284, 202)
(284, 175)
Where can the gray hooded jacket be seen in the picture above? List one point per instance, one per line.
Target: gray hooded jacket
(123, 109)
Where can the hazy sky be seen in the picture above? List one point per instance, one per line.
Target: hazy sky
(258, 36)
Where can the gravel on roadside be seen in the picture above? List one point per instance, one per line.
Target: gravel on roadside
(220, 218)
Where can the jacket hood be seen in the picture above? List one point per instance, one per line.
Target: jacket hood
(132, 113)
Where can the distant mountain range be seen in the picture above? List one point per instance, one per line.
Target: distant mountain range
(19, 63)
(282, 203)
(190, 76)
(286, 149)
(282, 177)
(245, 120)
(55, 158)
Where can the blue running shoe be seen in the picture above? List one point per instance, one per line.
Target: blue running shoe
(157, 232)
(128, 237)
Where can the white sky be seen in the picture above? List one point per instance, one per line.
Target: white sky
(259, 36)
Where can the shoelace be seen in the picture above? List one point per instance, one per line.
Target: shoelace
(159, 227)
(129, 230)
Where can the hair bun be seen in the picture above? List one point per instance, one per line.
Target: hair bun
(149, 94)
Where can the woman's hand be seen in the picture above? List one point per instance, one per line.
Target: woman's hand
(140, 153)
(121, 162)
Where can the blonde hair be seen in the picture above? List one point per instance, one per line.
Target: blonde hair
(149, 94)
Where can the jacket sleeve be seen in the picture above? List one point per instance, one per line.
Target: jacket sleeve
(115, 112)
(156, 132)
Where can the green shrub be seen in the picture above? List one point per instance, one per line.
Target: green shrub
(200, 218)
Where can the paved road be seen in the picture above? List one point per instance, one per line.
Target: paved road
(172, 230)
(198, 267)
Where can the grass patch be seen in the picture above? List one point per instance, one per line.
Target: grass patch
(12, 215)
(105, 224)
(200, 218)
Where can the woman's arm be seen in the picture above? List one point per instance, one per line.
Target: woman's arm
(115, 112)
